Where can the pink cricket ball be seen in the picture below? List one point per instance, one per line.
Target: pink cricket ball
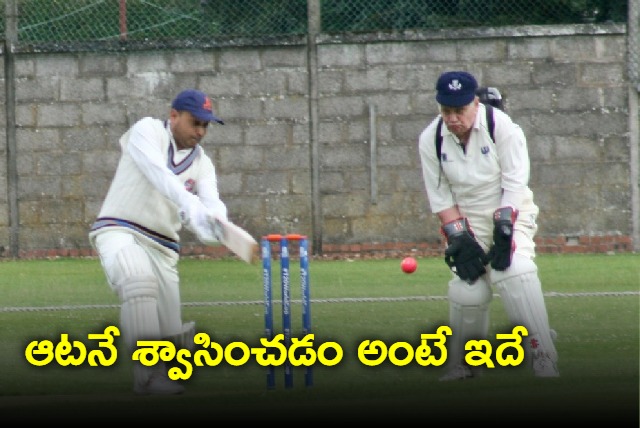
(409, 265)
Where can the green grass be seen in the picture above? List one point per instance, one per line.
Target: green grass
(592, 301)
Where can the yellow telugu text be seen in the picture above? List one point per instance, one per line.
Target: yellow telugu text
(274, 352)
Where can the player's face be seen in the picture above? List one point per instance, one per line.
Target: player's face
(187, 129)
(460, 120)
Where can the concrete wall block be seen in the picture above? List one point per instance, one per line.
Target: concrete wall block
(287, 208)
(104, 113)
(37, 90)
(405, 53)
(30, 141)
(330, 82)
(352, 204)
(409, 78)
(288, 158)
(616, 148)
(610, 49)
(58, 115)
(603, 75)
(366, 80)
(48, 164)
(390, 156)
(98, 64)
(341, 56)
(266, 83)
(221, 85)
(85, 89)
(297, 83)
(393, 104)
(267, 183)
(25, 67)
(240, 60)
(140, 63)
(528, 49)
(294, 108)
(332, 182)
(342, 106)
(233, 159)
(576, 49)
(268, 135)
(576, 149)
(286, 57)
(493, 75)
(192, 61)
(100, 163)
(48, 66)
(34, 188)
(301, 182)
(617, 174)
(480, 50)
(338, 158)
(77, 140)
(232, 110)
(554, 75)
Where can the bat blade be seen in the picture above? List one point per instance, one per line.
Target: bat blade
(238, 240)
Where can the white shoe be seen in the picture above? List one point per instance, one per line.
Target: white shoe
(457, 372)
(159, 384)
(544, 366)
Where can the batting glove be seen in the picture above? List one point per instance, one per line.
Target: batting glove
(464, 255)
(197, 218)
(503, 247)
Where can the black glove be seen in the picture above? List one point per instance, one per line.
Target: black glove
(503, 246)
(463, 254)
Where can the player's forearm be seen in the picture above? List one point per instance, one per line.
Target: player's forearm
(449, 214)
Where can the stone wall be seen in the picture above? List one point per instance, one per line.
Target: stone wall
(566, 86)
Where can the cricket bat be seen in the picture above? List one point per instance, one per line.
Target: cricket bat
(236, 239)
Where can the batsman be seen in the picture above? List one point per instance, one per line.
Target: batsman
(475, 167)
(164, 181)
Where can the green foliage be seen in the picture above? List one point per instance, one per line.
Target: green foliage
(46, 21)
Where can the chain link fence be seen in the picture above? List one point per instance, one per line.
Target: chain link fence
(55, 21)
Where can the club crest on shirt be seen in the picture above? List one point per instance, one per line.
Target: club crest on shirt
(190, 185)
(484, 150)
(443, 157)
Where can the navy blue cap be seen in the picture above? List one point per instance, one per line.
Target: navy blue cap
(456, 88)
(197, 103)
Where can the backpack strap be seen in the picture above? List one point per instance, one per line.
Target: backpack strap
(439, 140)
(490, 123)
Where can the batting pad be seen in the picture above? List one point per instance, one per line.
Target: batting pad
(139, 320)
(468, 315)
(523, 300)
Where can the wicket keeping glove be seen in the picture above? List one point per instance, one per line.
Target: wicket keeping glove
(501, 251)
(463, 255)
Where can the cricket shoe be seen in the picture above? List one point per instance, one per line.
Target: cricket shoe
(159, 384)
(544, 366)
(457, 372)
